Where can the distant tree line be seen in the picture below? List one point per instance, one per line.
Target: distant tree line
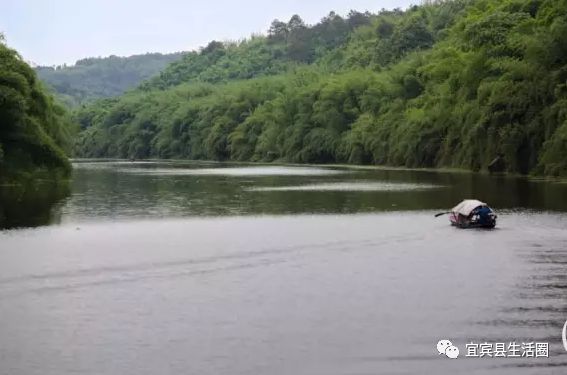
(94, 78)
(445, 84)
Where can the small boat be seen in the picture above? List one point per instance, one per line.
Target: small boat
(472, 213)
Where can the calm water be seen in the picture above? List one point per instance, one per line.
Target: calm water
(206, 268)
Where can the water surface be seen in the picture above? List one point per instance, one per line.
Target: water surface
(211, 268)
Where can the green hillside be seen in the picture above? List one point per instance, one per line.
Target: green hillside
(446, 84)
(94, 78)
(34, 131)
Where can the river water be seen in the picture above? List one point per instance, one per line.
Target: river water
(208, 268)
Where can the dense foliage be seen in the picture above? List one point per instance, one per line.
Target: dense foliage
(449, 83)
(287, 46)
(94, 78)
(34, 131)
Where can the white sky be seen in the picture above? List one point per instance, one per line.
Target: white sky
(53, 32)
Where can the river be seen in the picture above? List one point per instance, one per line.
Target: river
(218, 268)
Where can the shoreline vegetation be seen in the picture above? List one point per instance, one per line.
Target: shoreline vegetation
(35, 132)
(472, 85)
(465, 84)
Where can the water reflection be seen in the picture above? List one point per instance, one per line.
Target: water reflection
(123, 190)
(277, 294)
(32, 205)
(349, 186)
(234, 171)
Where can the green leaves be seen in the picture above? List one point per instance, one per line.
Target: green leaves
(34, 131)
(95, 78)
(449, 83)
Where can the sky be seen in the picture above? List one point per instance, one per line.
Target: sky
(53, 32)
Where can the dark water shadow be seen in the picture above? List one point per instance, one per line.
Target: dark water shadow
(32, 205)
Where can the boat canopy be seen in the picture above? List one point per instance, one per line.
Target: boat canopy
(465, 207)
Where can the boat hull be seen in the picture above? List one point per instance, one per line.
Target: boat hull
(464, 222)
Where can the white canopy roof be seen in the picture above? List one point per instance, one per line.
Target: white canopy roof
(465, 207)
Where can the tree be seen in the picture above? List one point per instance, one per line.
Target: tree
(213, 47)
(356, 19)
(295, 23)
(445, 84)
(278, 31)
(299, 45)
(34, 130)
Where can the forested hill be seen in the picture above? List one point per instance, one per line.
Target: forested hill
(34, 131)
(445, 84)
(93, 78)
(288, 45)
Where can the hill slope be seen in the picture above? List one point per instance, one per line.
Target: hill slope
(94, 78)
(34, 131)
(450, 83)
